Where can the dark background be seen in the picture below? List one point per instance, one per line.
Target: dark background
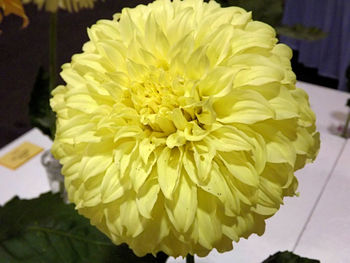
(22, 51)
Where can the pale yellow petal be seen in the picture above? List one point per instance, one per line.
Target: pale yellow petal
(169, 169)
(147, 197)
(182, 208)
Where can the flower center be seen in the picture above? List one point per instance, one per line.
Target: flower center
(169, 104)
(155, 97)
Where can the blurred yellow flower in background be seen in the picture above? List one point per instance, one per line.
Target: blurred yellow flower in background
(180, 127)
(69, 5)
(13, 7)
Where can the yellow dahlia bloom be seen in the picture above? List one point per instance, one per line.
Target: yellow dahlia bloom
(69, 5)
(180, 127)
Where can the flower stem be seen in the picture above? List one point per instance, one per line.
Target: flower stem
(189, 259)
(346, 126)
(52, 50)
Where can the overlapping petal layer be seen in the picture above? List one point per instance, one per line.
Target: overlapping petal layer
(180, 127)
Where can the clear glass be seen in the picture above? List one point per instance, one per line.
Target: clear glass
(53, 171)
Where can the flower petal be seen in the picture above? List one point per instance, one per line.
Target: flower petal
(169, 169)
(182, 208)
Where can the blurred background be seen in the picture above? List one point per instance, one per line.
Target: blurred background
(22, 51)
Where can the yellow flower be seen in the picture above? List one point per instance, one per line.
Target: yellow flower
(69, 5)
(180, 127)
(13, 7)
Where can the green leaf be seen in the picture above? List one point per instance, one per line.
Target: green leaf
(268, 11)
(301, 32)
(40, 113)
(48, 230)
(288, 257)
(271, 12)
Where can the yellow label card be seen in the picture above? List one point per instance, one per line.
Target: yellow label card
(21, 154)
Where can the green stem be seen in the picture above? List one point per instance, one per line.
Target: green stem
(52, 50)
(346, 126)
(189, 259)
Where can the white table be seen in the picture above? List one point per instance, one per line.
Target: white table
(327, 234)
(316, 224)
(29, 180)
